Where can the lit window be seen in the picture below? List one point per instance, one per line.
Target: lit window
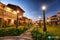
(14, 12)
(17, 11)
(8, 9)
(20, 16)
(5, 18)
(12, 21)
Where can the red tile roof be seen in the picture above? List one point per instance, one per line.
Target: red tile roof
(54, 16)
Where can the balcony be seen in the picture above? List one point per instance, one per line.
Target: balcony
(7, 14)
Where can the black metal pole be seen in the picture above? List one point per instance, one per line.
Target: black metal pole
(44, 29)
(17, 21)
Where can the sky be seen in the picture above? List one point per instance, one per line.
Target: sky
(33, 9)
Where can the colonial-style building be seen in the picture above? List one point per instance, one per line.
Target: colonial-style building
(25, 20)
(8, 13)
(58, 15)
(54, 19)
(48, 20)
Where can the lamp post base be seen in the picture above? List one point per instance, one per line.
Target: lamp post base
(45, 29)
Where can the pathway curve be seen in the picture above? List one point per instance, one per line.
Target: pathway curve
(27, 35)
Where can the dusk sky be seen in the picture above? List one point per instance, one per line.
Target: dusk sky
(32, 8)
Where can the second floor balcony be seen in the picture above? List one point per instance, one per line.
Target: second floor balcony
(7, 14)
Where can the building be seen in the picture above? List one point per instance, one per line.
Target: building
(58, 15)
(25, 20)
(48, 20)
(53, 19)
(8, 13)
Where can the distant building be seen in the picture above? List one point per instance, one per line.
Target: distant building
(8, 13)
(58, 15)
(25, 20)
(55, 19)
(52, 20)
(48, 20)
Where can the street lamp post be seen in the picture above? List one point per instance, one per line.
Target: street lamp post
(17, 19)
(43, 9)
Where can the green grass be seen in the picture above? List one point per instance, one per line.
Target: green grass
(52, 29)
(38, 35)
(55, 30)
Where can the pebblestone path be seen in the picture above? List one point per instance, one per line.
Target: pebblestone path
(27, 35)
(24, 36)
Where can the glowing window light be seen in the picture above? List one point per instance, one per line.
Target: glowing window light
(20, 16)
(5, 18)
(14, 12)
(17, 11)
(12, 21)
(8, 9)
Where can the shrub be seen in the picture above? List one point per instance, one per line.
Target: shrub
(11, 31)
(41, 36)
(28, 25)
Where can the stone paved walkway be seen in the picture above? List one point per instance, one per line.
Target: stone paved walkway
(27, 35)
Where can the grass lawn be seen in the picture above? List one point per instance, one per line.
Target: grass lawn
(38, 34)
(53, 33)
(54, 30)
(12, 27)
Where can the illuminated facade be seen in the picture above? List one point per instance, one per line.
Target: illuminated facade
(25, 20)
(58, 15)
(8, 13)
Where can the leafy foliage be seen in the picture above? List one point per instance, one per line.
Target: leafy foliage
(41, 36)
(11, 31)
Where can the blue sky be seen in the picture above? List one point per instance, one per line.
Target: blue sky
(32, 8)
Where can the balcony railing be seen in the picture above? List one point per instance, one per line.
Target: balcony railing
(7, 14)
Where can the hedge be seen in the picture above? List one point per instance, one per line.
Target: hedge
(11, 31)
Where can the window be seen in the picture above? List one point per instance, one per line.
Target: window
(0, 19)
